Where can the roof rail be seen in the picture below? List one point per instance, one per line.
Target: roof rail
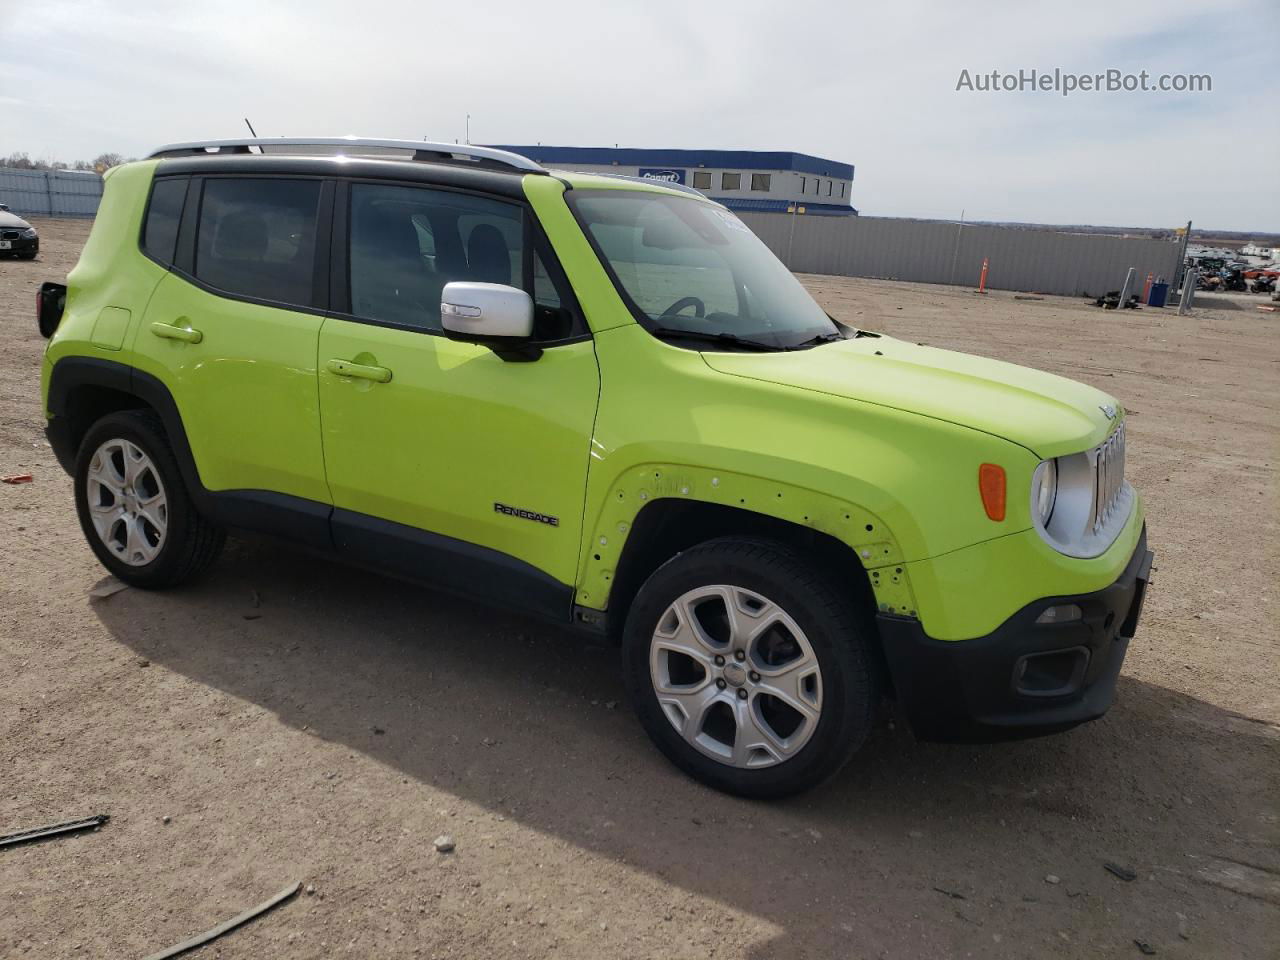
(653, 181)
(419, 150)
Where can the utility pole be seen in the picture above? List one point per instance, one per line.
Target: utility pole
(1182, 258)
(250, 126)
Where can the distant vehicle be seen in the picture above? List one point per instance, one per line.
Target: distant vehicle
(17, 237)
(1207, 265)
(1234, 280)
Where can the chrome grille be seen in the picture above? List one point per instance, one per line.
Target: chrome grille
(1108, 472)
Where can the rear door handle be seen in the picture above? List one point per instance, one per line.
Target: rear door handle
(346, 368)
(173, 332)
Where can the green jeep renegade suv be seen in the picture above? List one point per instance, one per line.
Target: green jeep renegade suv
(603, 402)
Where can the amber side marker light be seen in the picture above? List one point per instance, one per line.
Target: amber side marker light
(991, 484)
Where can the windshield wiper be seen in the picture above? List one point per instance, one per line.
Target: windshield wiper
(814, 341)
(729, 339)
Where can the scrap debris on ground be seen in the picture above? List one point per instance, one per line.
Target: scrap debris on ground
(42, 833)
(238, 921)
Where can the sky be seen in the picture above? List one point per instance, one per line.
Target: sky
(874, 85)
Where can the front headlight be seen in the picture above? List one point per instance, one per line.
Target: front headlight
(1044, 491)
(1080, 502)
(29, 233)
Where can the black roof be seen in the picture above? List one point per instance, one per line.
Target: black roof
(497, 181)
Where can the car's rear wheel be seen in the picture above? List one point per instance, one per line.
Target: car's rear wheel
(749, 668)
(133, 507)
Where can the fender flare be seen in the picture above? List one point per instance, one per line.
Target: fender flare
(854, 526)
(71, 373)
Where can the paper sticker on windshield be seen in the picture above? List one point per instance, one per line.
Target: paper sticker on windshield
(729, 220)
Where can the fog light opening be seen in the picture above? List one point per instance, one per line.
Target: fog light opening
(1054, 673)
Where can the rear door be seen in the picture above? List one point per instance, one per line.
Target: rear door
(449, 461)
(232, 331)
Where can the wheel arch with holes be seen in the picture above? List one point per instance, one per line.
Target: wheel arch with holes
(654, 510)
(750, 667)
(134, 506)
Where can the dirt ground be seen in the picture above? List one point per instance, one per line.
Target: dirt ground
(330, 734)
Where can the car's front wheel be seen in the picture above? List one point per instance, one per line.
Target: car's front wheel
(749, 667)
(133, 507)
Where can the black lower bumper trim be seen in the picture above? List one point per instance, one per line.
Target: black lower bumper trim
(1026, 678)
(21, 246)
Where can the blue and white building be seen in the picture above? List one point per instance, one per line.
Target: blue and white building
(765, 180)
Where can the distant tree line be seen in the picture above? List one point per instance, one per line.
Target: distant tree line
(99, 164)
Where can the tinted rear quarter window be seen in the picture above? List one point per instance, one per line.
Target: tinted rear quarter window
(164, 212)
(257, 238)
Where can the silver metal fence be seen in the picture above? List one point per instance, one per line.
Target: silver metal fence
(925, 251)
(50, 193)
(932, 251)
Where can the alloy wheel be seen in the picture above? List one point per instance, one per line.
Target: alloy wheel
(736, 676)
(127, 502)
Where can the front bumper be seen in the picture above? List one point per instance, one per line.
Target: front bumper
(21, 245)
(1024, 678)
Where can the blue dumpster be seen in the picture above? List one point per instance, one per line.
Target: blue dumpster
(1158, 295)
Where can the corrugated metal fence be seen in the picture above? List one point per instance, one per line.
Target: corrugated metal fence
(931, 251)
(50, 193)
(926, 251)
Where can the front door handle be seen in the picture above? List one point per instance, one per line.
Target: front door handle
(173, 332)
(346, 368)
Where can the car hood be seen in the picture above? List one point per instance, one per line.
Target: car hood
(11, 221)
(1047, 414)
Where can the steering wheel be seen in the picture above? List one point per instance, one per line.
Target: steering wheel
(699, 308)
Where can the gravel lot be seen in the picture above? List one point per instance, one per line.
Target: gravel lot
(297, 720)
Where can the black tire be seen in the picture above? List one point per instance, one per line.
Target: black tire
(191, 543)
(836, 629)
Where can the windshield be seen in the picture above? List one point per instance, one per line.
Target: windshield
(688, 267)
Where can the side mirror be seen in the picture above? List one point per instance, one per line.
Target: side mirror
(493, 314)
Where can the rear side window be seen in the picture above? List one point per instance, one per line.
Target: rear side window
(257, 238)
(160, 234)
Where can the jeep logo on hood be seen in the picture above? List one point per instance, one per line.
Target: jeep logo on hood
(662, 173)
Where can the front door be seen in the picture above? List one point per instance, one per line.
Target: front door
(444, 460)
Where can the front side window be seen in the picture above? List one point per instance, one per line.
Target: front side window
(730, 181)
(691, 267)
(406, 243)
(761, 181)
(164, 212)
(701, 180)
(257, 238)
